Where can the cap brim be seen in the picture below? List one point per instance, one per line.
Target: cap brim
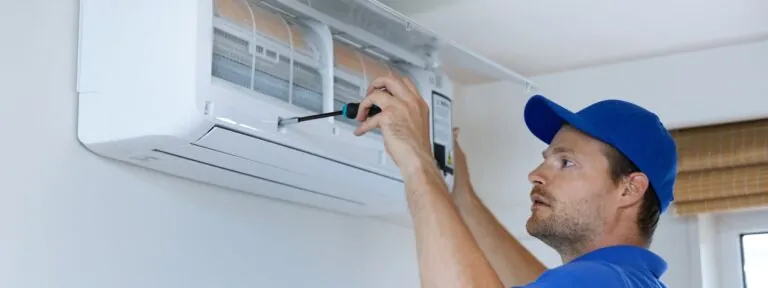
(544, 119)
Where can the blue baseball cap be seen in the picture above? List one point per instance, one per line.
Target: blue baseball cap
(631, 129)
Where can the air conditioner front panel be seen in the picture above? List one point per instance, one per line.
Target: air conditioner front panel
(263, 170)
(304, 168)
(203, 165)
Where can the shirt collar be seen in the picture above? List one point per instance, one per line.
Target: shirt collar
(626, 255)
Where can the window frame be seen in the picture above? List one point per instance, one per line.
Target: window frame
(741, 254)
(729, 252)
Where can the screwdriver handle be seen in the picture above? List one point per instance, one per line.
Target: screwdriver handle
(350, 110)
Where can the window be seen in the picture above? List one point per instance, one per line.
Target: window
(754, 253)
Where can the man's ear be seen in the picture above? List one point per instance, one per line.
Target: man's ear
(635, 186)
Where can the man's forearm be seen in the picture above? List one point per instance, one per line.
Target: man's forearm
(513, 263)
(447, 253)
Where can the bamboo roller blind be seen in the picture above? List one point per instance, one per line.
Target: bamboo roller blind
(722, 167)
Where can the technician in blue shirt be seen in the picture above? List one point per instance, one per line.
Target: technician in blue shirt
(605, 178)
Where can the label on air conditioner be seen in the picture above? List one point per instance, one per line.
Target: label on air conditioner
(442, 132)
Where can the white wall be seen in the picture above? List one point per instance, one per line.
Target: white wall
(692, 89)
(711, 86)
(71, 219)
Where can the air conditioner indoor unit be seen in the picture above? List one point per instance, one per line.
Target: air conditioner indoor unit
(195, 89)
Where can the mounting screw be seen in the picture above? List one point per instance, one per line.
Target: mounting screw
(208, 109)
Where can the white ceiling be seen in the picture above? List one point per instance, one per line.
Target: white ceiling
(537, 37)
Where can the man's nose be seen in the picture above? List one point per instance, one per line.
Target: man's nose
(536, 177)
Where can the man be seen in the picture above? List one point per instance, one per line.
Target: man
(605, 177)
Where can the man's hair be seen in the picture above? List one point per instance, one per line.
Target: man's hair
(647, 219)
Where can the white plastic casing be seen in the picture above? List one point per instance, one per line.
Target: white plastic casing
(147, 96)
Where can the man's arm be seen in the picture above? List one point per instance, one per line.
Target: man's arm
(513, 263)
(447, 253)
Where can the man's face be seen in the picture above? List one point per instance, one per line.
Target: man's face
(571, 193)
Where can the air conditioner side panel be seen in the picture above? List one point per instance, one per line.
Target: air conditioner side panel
(139, 69)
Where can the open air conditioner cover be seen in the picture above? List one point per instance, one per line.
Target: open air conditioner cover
(387, 32)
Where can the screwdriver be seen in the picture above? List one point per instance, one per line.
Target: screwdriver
(349, 111)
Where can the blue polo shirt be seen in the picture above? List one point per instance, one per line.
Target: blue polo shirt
(614, 266)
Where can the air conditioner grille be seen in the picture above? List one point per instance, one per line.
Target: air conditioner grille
(265, 71)
(231, 47)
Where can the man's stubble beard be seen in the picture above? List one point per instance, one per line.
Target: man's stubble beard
(568, 229)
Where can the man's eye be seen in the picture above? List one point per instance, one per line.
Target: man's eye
(566, 163)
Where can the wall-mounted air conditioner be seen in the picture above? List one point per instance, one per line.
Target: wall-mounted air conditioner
(195, 89)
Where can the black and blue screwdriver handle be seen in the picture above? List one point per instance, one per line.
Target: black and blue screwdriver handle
(350, 110)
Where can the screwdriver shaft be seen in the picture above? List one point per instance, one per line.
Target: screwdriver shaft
(294, 120)
(318, 116)
(349, 111)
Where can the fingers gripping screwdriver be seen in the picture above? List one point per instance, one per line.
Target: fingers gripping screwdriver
(349, 111)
